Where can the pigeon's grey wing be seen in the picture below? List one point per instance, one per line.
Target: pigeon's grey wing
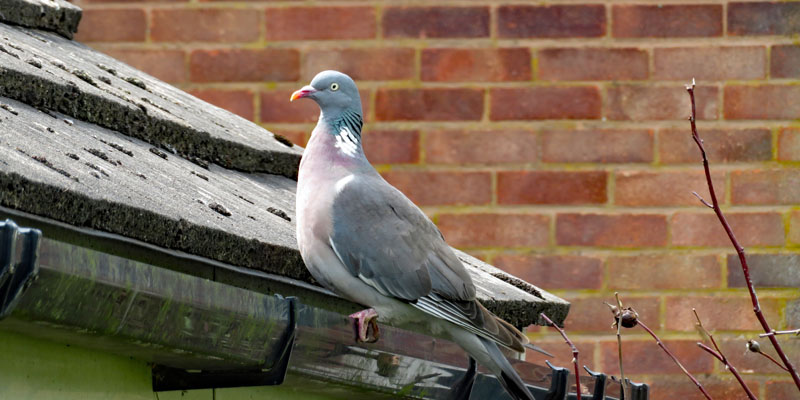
(385, 240)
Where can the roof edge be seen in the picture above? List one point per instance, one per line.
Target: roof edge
(56, 16)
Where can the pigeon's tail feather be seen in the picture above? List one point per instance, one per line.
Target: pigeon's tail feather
(505, 373)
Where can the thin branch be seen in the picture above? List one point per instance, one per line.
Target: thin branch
(574, 355)
(739, 249)
(773, 360)
(792, 332)
(702, 200)
(711, 351)
(754, 347)
(675, 359)
(718, 354)
(622, 384)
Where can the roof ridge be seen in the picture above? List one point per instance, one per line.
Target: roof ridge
(95, 88)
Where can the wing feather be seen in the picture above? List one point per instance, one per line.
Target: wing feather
(390, 244)
(384, 239)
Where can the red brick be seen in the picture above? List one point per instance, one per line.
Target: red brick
(443, 188)
(557, 21)
(751, 229)
(240, 65)
(718, 313)
(642, 103)
(789, 144)
(766, 270)
(323, 23)
(766, 18)
(490, 230)
(622, 230)
(436, 22)
(780, 390)
(710, 63)
(606, 64)
(551, 187)
(601, 146)
(762, 102)
(573, 102)
(645, 357)
(370, 64)
(481, 147)
(275, 107)
(167, 65)
(239, 102)
(204, 25)
(748, 362)
(391, 147)
(785, 61)
(592, 314)
(794, 227)
(680, 387)
(663, 271)
(765, 187)
(493, 65)
(554, 271)
(666, 20)
(664, 188)
(729, 145)
(429, 104)
(112, 25)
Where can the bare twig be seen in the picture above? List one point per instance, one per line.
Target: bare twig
(574, 355)
(675, 359)
(739, 249)
(628, 317)
(718, 354)
(702, 200)
(774, 332)
(616, 311)
(754, 347)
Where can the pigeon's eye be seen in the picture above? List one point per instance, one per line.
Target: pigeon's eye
(334, 86)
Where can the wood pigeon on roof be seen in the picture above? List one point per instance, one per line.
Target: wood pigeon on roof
(366, 241)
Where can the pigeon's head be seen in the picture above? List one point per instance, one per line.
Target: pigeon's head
(333, 91)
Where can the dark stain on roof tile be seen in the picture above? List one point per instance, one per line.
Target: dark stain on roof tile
(220, 209)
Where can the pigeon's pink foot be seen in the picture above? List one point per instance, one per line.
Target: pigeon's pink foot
(364, 320)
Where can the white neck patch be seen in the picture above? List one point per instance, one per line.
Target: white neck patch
(346, 142)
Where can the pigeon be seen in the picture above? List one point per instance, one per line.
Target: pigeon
(363, 239)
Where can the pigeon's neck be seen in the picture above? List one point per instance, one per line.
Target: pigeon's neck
(345, 127)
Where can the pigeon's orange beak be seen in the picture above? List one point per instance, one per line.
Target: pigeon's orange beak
(305, 91)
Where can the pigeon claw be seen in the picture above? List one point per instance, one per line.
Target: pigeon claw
(364, 320)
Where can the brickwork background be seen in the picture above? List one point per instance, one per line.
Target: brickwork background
(547, 139)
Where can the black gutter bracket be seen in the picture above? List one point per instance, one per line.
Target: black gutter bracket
(19, 253)
(558, 383)
(167, 378)
(599, 384)
(639, 391)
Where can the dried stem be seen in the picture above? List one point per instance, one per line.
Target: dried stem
(773, 360)
(574, 355)
(675, 359)
(622, 384)
(718, 354)
(754, 347)
(792, 332)
(739, 249)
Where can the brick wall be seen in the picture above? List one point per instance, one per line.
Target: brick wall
(550, 140)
